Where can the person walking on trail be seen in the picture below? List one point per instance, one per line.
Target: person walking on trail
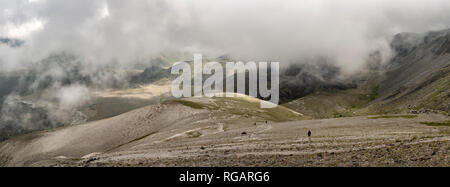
(309, 135)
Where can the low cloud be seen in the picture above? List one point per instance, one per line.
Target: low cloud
(106, 31)
(60, 50)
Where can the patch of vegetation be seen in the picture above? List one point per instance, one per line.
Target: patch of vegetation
(242, 107)
(364, 99)
(246, 108)
(394, 116)
(437, 124)
(385, 111)
(338, 103)
(374, 94)
(344, 114)
(441, 87)
(194, 134)
(196, 105)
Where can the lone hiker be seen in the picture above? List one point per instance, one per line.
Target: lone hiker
(309, 133)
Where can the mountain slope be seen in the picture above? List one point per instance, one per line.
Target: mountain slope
(419, 76)
(195, 117)
(416, 80)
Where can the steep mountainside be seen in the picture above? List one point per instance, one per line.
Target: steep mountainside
(188, 118)
(418, 78)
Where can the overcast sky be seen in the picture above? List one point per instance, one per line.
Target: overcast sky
(102, 31)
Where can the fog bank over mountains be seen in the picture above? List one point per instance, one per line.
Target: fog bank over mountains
(55, 54)
(119, 32)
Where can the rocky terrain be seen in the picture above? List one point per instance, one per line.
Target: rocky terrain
(182, 133)
(395, 114)
(416, 80)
